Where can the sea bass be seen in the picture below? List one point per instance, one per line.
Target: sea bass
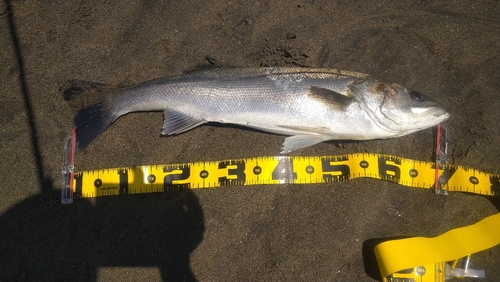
(311, 105)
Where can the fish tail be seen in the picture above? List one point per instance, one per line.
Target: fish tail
(90, 122)
(95, 115)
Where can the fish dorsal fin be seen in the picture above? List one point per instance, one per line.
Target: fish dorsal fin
(177, 122)
(202, 69)
(331, 98)
(213, 71)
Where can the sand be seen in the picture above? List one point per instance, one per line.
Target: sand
(448, 51)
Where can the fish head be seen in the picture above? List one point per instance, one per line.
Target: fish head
(395, 108)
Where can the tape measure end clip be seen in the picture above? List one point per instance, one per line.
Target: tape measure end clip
(68, 169)
(442, 149)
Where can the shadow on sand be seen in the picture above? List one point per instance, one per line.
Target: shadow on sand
(42, 240)
(45, 241)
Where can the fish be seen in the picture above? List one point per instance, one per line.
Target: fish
(310, 105)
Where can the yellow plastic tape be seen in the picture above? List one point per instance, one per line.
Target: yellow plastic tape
(396, 255)
(392, 256)
(280, 170)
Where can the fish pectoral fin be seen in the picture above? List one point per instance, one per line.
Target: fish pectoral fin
(177, 122)
(330, 98)
(296, 142)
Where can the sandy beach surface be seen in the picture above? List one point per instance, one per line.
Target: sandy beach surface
(447, 50)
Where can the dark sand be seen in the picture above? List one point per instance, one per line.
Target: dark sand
(447, 50)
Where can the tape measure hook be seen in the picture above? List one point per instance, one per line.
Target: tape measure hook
(463, 271)
(68, 169)
(442, 148)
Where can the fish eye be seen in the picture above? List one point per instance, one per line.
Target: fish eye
(416, 96)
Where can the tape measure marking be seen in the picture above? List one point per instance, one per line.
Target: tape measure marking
(281, 170)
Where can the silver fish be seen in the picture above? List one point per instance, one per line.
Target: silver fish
(310, 104)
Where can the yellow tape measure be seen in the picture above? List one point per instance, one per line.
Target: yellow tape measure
(280, 170)
(406, 260)
(422, 259)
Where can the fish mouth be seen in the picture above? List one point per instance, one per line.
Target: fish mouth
(434, 111)
(419, 110)
(429, 116)
(416, 119)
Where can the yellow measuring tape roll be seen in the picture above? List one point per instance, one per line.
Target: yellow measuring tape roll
(280, 170)
(392, 255)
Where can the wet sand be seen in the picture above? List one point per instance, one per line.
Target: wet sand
(447, 51)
